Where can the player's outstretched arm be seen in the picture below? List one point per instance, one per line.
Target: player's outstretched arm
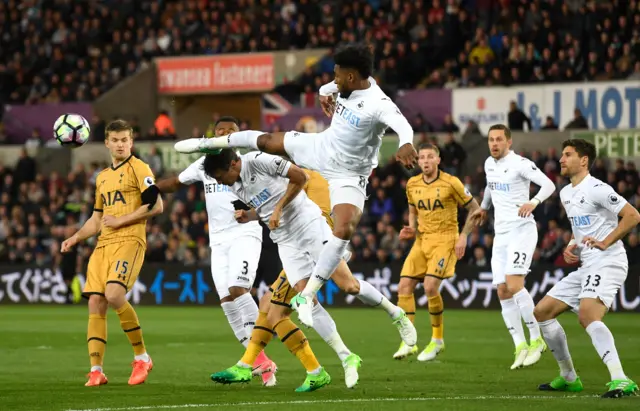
(297, 180)
(169, 185)
(90, 228)
(629, 219)
(391, 116)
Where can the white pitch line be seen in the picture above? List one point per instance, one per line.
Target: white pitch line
(348, 400)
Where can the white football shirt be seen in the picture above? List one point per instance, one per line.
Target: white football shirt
(358, 125)
(220, 210)
(262, 185)
(508, 183)
(592, 208)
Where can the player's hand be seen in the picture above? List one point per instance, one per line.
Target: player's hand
(593, 243)
(461, 246)
(274, 221)
(407, 233)
(407, 155)
(328, 105)
(68, 244)
(479, 217)
(569, 254)
(111, 221)
(526, 209)
(242, 216)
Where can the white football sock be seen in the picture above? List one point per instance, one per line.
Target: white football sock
(249, 312)
(602, 339)
(328, 261)
(234, 317)
(96, 368)
(556, 340)
(525, 304)
(371, 296)
(512, 319)
(142, 357)
(245, 139)
(326, 328)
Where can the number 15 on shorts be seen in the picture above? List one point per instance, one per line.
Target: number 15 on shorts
(122, 267)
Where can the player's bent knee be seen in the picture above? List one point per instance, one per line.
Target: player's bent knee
(236, 292)
(227, 299)
(276, 314)
(263, 304)
(98, 304)
(406, 286)
(116, 295)
(271, 143)
(432, 286)
(503, 292)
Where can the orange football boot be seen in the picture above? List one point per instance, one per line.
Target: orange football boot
(96, 378)
(140, 371)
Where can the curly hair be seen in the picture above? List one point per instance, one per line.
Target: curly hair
(355, 56)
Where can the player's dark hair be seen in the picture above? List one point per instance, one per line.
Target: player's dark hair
(583, 148)
(429, 146)
(507, 130)
(227, 119)
(218, 162)
(117, 126)
(355, 56)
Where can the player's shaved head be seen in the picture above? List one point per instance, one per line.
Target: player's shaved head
(226, 125)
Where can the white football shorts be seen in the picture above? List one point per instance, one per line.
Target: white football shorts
(345, 187)
(513, 252)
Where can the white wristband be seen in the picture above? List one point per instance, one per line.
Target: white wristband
(572, 242)
(534, 201)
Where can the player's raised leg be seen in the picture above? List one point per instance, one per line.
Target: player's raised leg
(326, 328)
(125, 262)
(272, 143)
(546, 312)
(369, 295)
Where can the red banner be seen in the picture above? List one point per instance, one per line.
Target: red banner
(215, 74)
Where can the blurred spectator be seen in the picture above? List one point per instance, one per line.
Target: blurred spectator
(578, 122)
(452, 155)
(77, 51)
(517, 118)
(549, 124)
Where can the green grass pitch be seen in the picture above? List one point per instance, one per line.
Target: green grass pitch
(43, 362)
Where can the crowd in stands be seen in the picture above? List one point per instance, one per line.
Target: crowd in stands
(35, 210)
(62, 50)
